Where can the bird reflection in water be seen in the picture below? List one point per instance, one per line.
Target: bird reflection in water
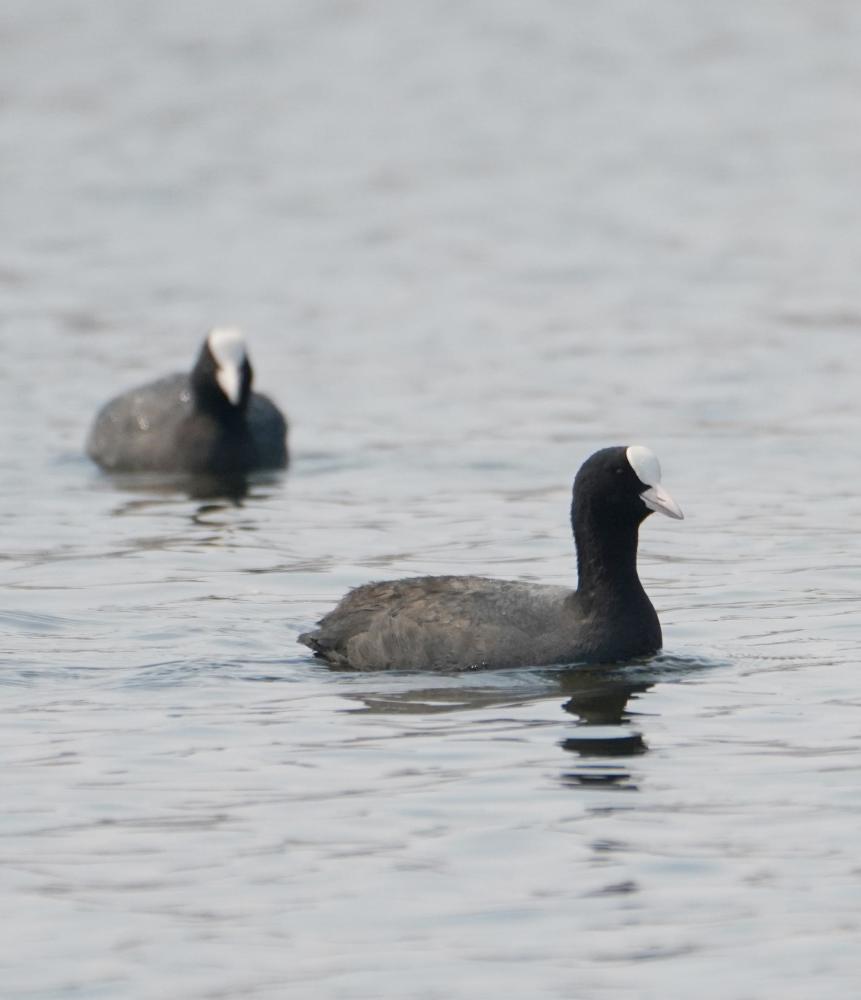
(601, 703)
(597, 696)
(211, 496)
(163, 487)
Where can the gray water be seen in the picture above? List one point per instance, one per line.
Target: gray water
(469, 243)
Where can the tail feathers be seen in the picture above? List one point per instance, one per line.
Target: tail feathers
(311, 639)
(315, 642)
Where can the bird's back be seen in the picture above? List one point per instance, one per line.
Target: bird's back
(139, 429)
(449, 622)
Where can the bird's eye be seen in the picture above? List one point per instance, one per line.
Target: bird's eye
(618, 470)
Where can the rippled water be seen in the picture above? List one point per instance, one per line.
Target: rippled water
(469, 242)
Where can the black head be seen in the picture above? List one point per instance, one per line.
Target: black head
(222, 374)
(621, 486)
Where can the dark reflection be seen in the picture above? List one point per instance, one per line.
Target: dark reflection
(597, 697)
(210, 503)
(601, 700)
(601, 778)
(597, 694)
(215, 493)
(602, 703)
(603, 734)
(611, 746)
(232, 488)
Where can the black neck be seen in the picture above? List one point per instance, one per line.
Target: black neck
(606, 557)
(209, 396)
(211, 401)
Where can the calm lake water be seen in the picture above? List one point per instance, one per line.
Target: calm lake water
(469, 243)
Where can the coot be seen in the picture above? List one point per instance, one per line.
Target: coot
(462, 622)
(207, 422)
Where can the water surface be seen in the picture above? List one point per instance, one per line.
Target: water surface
(469, 243)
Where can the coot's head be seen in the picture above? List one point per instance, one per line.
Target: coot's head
(222, 374)
(622, 485)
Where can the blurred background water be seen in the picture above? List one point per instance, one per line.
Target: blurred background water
(469, 243)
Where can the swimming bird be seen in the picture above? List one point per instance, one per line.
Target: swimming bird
(466, 622)
(207, 422)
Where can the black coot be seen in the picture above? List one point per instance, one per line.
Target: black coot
(208, 422)
(460, 622)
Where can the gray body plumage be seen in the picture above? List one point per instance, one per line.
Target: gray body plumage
(158, 428)
(462, 622)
